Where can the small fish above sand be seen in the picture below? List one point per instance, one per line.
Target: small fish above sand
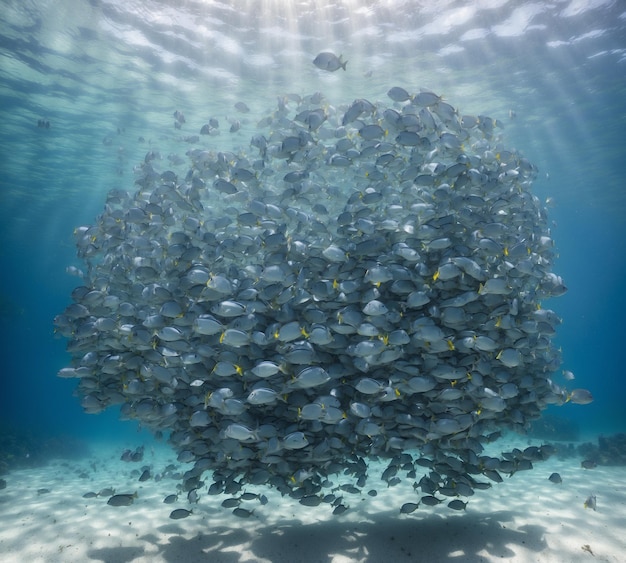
(122, 500)
(179, 513)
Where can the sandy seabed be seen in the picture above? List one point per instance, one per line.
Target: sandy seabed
(525, 518)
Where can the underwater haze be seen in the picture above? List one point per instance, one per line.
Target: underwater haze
(97, 95)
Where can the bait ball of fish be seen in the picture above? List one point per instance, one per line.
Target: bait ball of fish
(365, 283)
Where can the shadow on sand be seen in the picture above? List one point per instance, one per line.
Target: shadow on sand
(383, 537)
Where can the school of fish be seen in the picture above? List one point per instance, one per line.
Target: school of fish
(361, 283)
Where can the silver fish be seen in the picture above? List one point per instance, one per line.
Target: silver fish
(329, 61)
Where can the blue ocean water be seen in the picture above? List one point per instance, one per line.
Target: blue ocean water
(106, 73)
